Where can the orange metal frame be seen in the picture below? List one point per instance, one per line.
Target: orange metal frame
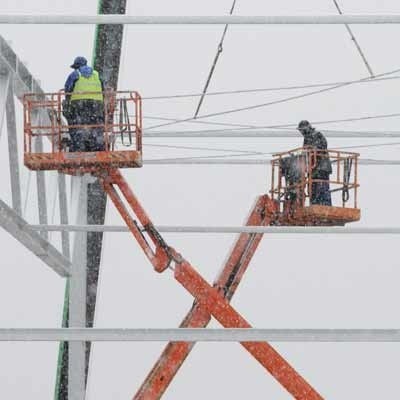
(55, 130)
(304, 187)
(300, 211)
(226, 284)
(210, 300)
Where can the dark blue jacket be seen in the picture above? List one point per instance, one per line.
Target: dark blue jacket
(318, 141)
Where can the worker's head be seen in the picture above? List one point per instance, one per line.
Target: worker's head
(79, 62)
(304, 127)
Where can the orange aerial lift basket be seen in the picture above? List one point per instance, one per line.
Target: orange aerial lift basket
(121, 134)
(301, 195)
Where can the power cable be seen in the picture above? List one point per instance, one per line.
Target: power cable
(219, 52)
(363, 146)
(260, 161)
(246, 134)
(201, 122)
(338, 120)
(271, 89)
(199, 148)
(353, 38)
(262, 105)
(289, 125)
(236, 152)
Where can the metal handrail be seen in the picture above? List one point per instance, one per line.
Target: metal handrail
(341, 178)
(52, 103)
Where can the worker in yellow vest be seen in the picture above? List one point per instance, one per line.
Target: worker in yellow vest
(84, 106)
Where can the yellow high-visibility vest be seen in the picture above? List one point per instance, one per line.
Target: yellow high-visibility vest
(91, 84)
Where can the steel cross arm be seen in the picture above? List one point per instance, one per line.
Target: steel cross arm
(209, 298)
(201, 20)
(20, 230)
(159, 256)
(213, 301)
(227, 282)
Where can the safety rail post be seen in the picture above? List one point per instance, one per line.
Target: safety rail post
(140, 119)
(279, 181)
(59, 102)
(25, 126)
(108, 115)
(355, 181)
(273, 179)
(343, 182)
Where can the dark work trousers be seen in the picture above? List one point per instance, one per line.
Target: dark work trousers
(86, 112)
(320, 191)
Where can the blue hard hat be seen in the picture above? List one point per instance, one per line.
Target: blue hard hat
(79, 62)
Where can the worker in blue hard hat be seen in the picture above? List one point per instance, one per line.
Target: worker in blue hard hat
(84, 105)
(323, 168)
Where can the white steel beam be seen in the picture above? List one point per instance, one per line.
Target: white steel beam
(313, 230)
(200, 20)
(77, 294)
(63, 204)
(4, 85)
(22, 78)
(40, 178)
(13, 152)
(200, 335)
(20, 230)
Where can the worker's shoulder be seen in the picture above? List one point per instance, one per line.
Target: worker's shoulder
(318, 133)
(73, 75)
(318, 136)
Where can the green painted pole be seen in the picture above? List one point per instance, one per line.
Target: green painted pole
(106, 60)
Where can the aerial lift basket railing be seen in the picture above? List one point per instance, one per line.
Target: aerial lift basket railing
(293, 187)
(121, 133)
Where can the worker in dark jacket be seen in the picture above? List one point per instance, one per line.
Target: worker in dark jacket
(84, 105)
(323, 168)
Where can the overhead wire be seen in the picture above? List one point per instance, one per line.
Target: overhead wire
(214, 64)
(197, 148)
(260, 161)
(277, 134)
(237, 152)
(353, 38)
(270, 89)
(285, 126)
(353, 119)
(202, 122)
(280, 101)
(369, 145)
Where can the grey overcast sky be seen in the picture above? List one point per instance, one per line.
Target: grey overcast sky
(293, 281)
